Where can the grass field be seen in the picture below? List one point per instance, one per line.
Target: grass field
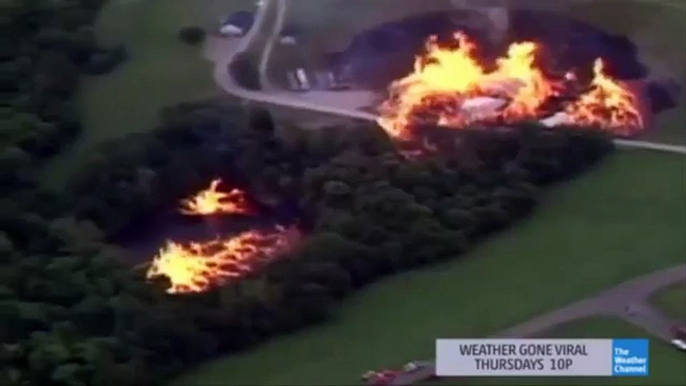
(622, 220)
(161, 71)
(331, 24)
(666, 363)
(672, 301)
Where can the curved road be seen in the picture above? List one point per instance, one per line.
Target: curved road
(273, 39)
(632, 295)
(223, 77)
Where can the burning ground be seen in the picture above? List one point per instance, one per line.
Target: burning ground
(452, 86)
(212, 201)
(198, 266)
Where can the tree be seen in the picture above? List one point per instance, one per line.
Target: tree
(337, 189)
(460, 219)
(6, 248)
(103, 61)
(192, 35)
(243, 69)
(261, 121)
(13, 161)
(56, 74)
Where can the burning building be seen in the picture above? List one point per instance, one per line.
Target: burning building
(452, 85)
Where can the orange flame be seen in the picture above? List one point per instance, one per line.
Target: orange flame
(212, 201)
(606, 105)
(199, 266)
(449, 86)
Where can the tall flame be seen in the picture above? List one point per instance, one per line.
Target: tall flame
(212, 201)
(606, 104)
(199, 266)
(446, 79)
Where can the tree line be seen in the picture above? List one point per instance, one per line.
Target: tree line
(78, 315)
(47, 46)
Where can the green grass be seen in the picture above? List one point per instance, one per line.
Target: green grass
(331, 24)
(666, 364)
(624, 219)
(672, 301)
(161, 71)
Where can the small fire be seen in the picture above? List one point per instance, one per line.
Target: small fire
(450, 87)
(605, 104)
(199, 266)
(212, 201)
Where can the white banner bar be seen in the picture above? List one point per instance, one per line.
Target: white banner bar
(541, 357)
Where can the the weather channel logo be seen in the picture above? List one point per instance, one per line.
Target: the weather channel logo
(630, 357)
(542, 357)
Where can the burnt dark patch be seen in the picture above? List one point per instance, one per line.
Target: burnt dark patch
(145, 238)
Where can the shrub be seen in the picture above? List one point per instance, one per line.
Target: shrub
(192, 35)
(104, 61)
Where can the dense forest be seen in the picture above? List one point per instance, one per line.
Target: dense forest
(74, 312)
(46, 47)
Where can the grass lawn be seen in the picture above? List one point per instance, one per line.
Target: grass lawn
(622, 220)
(672, 301)
(666, 364)
(331, 24)
(161, 71)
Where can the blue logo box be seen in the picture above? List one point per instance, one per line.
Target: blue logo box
(630, 357)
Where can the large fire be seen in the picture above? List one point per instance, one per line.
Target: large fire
(450, 87)
(199, 266)
(212, 201)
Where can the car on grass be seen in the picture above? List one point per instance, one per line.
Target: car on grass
(678, 343)
(380, 377)
(387, 376)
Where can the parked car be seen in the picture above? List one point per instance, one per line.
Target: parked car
(411, 367)
(387, 376)
(680, 344)
(380, 378)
